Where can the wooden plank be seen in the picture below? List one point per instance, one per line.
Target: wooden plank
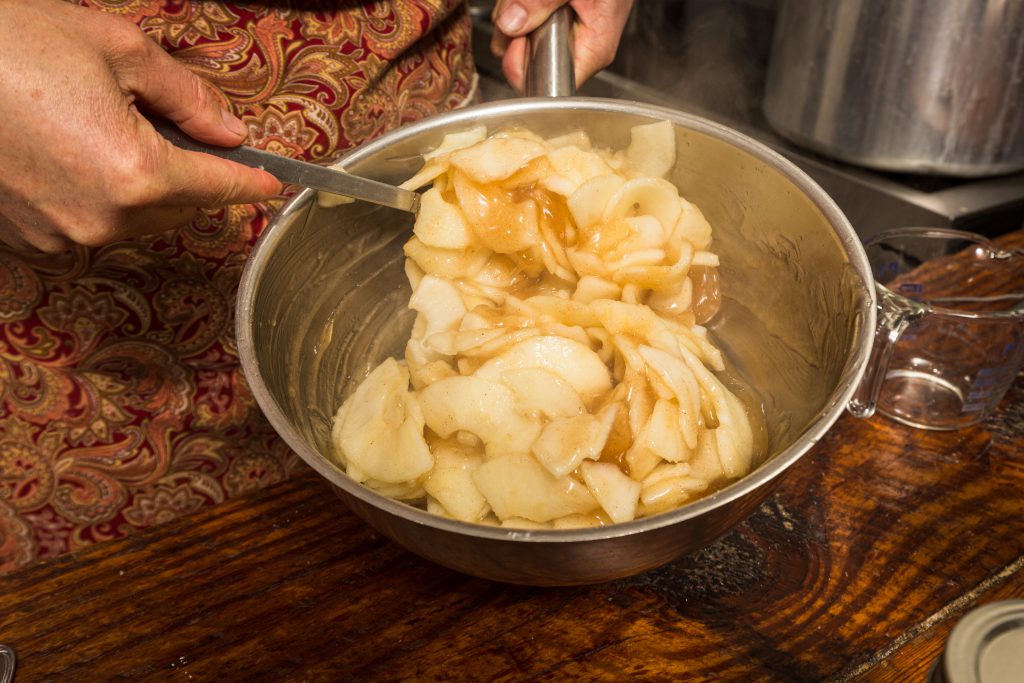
(858, 546)
(855, 568)
(912, 656)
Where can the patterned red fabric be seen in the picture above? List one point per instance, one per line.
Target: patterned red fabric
(122, 404)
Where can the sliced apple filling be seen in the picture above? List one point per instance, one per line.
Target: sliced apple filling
(558, 374)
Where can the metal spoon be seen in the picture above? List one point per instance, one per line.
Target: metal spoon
(297, 172)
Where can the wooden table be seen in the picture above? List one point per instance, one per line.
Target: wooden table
(856, 568)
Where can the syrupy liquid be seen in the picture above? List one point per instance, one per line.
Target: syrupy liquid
(518, 220)
(521, 220)
(707, 293)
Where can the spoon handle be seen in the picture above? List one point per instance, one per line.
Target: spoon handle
(297, 172)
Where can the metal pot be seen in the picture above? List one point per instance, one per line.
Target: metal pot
(919, 86)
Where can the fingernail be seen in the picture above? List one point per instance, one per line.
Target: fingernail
(234, 124)
(512, 19)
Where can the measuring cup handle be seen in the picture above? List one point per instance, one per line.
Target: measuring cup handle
(893, 320)
(549, 70)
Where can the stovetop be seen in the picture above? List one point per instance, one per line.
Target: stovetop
(709, 58)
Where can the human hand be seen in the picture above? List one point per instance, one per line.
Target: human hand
(78, 163)
(599, 25)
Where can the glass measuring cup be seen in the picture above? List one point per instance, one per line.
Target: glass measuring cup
(950, 334)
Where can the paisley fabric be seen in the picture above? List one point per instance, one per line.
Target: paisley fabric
(122, 403)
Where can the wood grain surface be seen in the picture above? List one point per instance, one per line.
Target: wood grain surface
(856, 568)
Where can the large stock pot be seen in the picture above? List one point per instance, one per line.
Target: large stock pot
(918, 86)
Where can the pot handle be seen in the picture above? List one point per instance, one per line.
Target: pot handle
(549, 68)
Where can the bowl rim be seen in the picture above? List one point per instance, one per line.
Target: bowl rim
(849, 379)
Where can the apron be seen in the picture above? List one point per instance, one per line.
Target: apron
(122, 402)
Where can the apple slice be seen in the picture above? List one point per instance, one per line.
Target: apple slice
(379, 429)
(441, 224)
(542, 391)
(565, 442)
(496, 158)
(451, 484)
(481, 407)
(574, 362)
(652, 148)
(587, 204)
(440, 304)
(518, 486)
(614, 490)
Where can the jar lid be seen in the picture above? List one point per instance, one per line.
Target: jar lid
(987, 646)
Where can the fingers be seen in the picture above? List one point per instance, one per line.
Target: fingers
(513, 63)
(187, 178)
(167, 183)
(513, 22)
(197, 179)
(172, 91)
(596, 33)
(157, 187)
(516, 18)
(97, 172)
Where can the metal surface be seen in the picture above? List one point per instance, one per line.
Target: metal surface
(551, 72)
(297, 172)
(986, 646)
(877, 202)
(323, 299)
(7, 664)
(871, 200)
(908, 85)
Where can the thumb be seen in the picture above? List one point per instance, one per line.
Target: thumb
(518, 17)
(170, 90)
(197, 179)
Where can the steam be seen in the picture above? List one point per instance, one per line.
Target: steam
(710, 56)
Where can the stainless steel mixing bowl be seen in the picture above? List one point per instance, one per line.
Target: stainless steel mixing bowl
(323, 300)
